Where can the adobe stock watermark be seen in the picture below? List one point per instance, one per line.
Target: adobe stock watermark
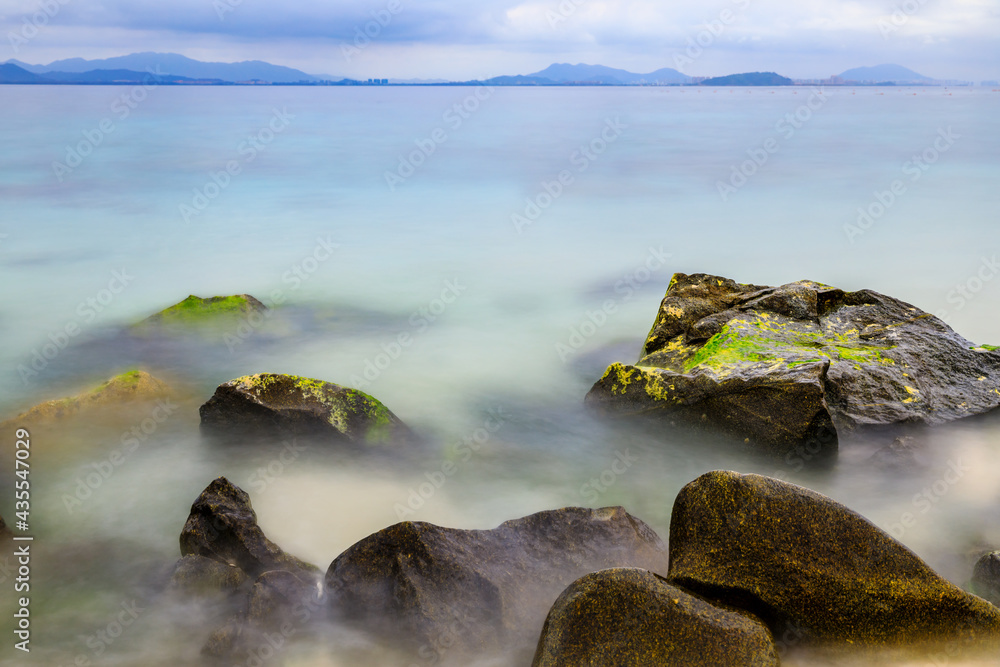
(470, 445)
(581, 159)
(627, 287)
(928, 497)
(266, 475)
(915, 168)
(420, 320)
(101, 471)
(759, 156)
(593, 489)
(223, 7)
(453, 118)
(967, 290)
(32, 25)
(100, 641)
(900, 16)
(707, 36)
(364, 34)
(297, 275)
(87, 312)
(248, 150)
(563, 12)
(122, 108)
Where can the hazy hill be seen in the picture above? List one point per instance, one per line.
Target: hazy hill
(565, 73)
(749, 79)
(10, 73)
(881, 73)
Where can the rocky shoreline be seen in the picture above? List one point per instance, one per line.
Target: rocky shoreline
(754, 567)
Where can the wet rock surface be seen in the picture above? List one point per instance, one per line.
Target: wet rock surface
(634, 617)
(269, 404)
(800, 363)
(461, 593)
(798, 559)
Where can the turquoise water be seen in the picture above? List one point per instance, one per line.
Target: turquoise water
(489, 226)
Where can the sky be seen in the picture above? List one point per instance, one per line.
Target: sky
(471, 39)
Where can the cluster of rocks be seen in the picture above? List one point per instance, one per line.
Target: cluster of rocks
(750, 557)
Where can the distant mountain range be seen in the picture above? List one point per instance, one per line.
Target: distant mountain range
(172, 68)
(177, 65)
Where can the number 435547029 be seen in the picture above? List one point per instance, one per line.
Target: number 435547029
(22, 453)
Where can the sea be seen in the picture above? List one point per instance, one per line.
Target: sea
(474, 257)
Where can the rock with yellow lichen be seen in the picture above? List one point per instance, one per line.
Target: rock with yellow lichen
(468, 595)
(269, 404)
(798, 559)
(133, 386)
(630, 616)
(792, 368)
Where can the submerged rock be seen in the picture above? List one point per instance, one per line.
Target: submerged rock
(200, 576)
(268, 403)
(194, 313)
(986, 577)
(797, 364)
(796, 558)
(129, 387)
(630, 616)
(223, 527)
(460, 593)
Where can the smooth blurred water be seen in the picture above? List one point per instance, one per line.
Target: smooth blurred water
(515, 296)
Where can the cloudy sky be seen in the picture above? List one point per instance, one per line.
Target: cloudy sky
(465, 39)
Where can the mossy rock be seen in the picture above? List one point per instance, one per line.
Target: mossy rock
(986, 577)
(194, 314)
(800, 364)
(222, 526)
(129, 387)
(796, 558)
(634, 618)
(269, 404)
(484, 592)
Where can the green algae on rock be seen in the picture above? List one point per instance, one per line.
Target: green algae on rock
(798, 364)
(269, 403)
(131, 386)
(793, 556)
(633, 617)
(486, 592)
(194, 313)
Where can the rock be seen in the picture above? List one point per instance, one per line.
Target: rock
(630, 616)
(194, 313)
(461, 593)
(796, 365)
(199, 576)
(798, 559)
(286, 405)
(986, 577)
(129, 387)
(902, 454)
(280, 605)
(223, 527)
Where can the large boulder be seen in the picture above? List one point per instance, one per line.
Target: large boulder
(282, 405)
(799, 364)
(460, 593)
(195, 314)
(630, 616)
(223, 527)
(798, 559)
(133, 386)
